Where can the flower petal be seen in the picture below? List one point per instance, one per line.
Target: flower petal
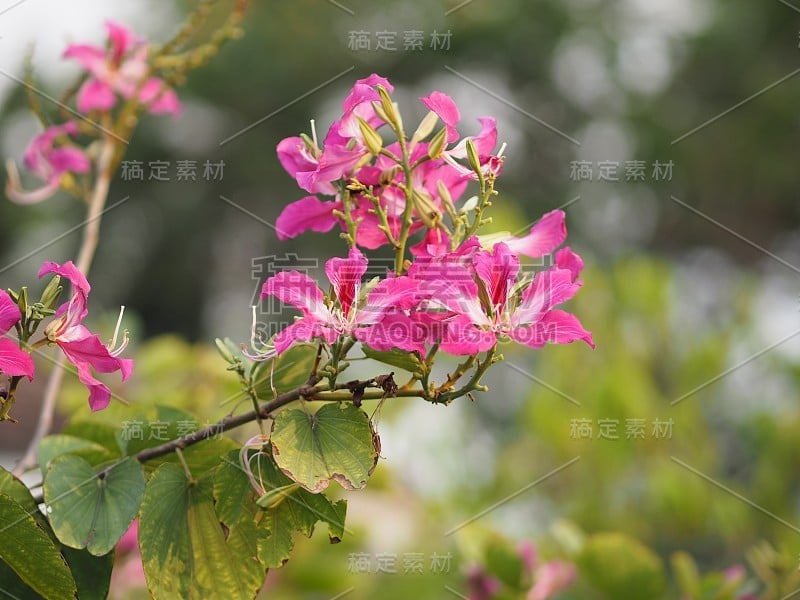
(567, 259)
(69, 272)
(158, 98)
(555, 327)
(9, 312)
(394, 330)
(462, 337)
(298, 290)
(13, 361)
(444, 106)
(544, 237)
(96, 95)
(309, 213)
(345, 274)
(548, 289)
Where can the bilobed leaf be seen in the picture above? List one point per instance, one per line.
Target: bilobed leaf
(54, 446)
(184, 548)
(105, 434)
(335, 443)
(91, 510)
(32, 554)
(294, 510)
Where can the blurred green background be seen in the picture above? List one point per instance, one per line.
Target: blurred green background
(691, 283)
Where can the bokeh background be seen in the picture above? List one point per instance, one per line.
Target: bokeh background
(691, 286)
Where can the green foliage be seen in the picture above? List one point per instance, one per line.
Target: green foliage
(90, 509)
(334, 443)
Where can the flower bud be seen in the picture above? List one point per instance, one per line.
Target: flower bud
(473, 159)
(436, 146)
(389, 109)
(372, 138)
(52, 292)
(425, 127)
(426, 209)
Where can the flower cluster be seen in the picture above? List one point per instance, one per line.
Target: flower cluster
(462, 293)
(120, 69)
(82, 348)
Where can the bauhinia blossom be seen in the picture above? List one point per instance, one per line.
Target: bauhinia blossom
(486, 306)
(120, 69)
(373, 320)
(49, 158)
(13, 361)
(81, 347)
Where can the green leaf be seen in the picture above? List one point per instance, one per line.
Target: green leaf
(621, 567)
(92, 573)
(19, 492)
(184, 548)
(297, 511)
(408, 361)
(284, 373)
(54, 446)
(164, 424)
(32, 554)
(105, 434)
(335, 443)
(91, 510)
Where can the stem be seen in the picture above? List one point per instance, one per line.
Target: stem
(91, 236)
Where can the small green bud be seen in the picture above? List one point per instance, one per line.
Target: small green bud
(52, 292)
(436, 146)
(426, 209)
(389, 109)
(425, 127)
(224, 351)
(447, 201)
(472, 157)
(372, 138)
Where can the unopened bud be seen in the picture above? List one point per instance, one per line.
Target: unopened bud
(389, 109)
(425, 127)
(426, 209)
(52, 292)
(473, 159)
(372, 138)
(436, 146)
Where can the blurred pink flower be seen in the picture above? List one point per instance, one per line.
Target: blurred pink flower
(81, 347)
(48, 161)
(552, 578)
(13, 361)
(120, 67)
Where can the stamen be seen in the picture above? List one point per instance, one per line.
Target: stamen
(502, 149)
(314, 133)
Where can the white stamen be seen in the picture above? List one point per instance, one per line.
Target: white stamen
(502, 149)
(314, 133)
(116, 329)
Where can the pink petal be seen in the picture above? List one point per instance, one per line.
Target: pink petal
(297, 290)
(99, 393)
(444, 106)
(9, 312)
(82, 346)
(302, 166)
(69, 272)
(92, 58)
(376, 79)
(498, 271)
(463, 338)
(13, 361)
(567, 259)
(95, 95)
(555, 327)
(129, 542)
(121, 39)
(545, 236)
(158, 98)
(303, 330)
(401, 293)
(69, 159)
(345, 274)
(548, 289)
(34, 196)
(435, 243)
(394, 330)
(552, 578)
(484, 142)
(308, 213)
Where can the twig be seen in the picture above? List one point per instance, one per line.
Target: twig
(91, 235)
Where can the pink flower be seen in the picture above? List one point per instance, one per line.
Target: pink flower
(375, 321)
(485, 306)
(446, 109)
(48, 161)
(81, 347)
(552, 578)
(13, 361)
(120, 68)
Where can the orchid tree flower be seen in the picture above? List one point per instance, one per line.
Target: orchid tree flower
(14, 361)
(547, 234)
(49, 160)
(490, 309)
(120, 69)
(81, 347)
(373, 320)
